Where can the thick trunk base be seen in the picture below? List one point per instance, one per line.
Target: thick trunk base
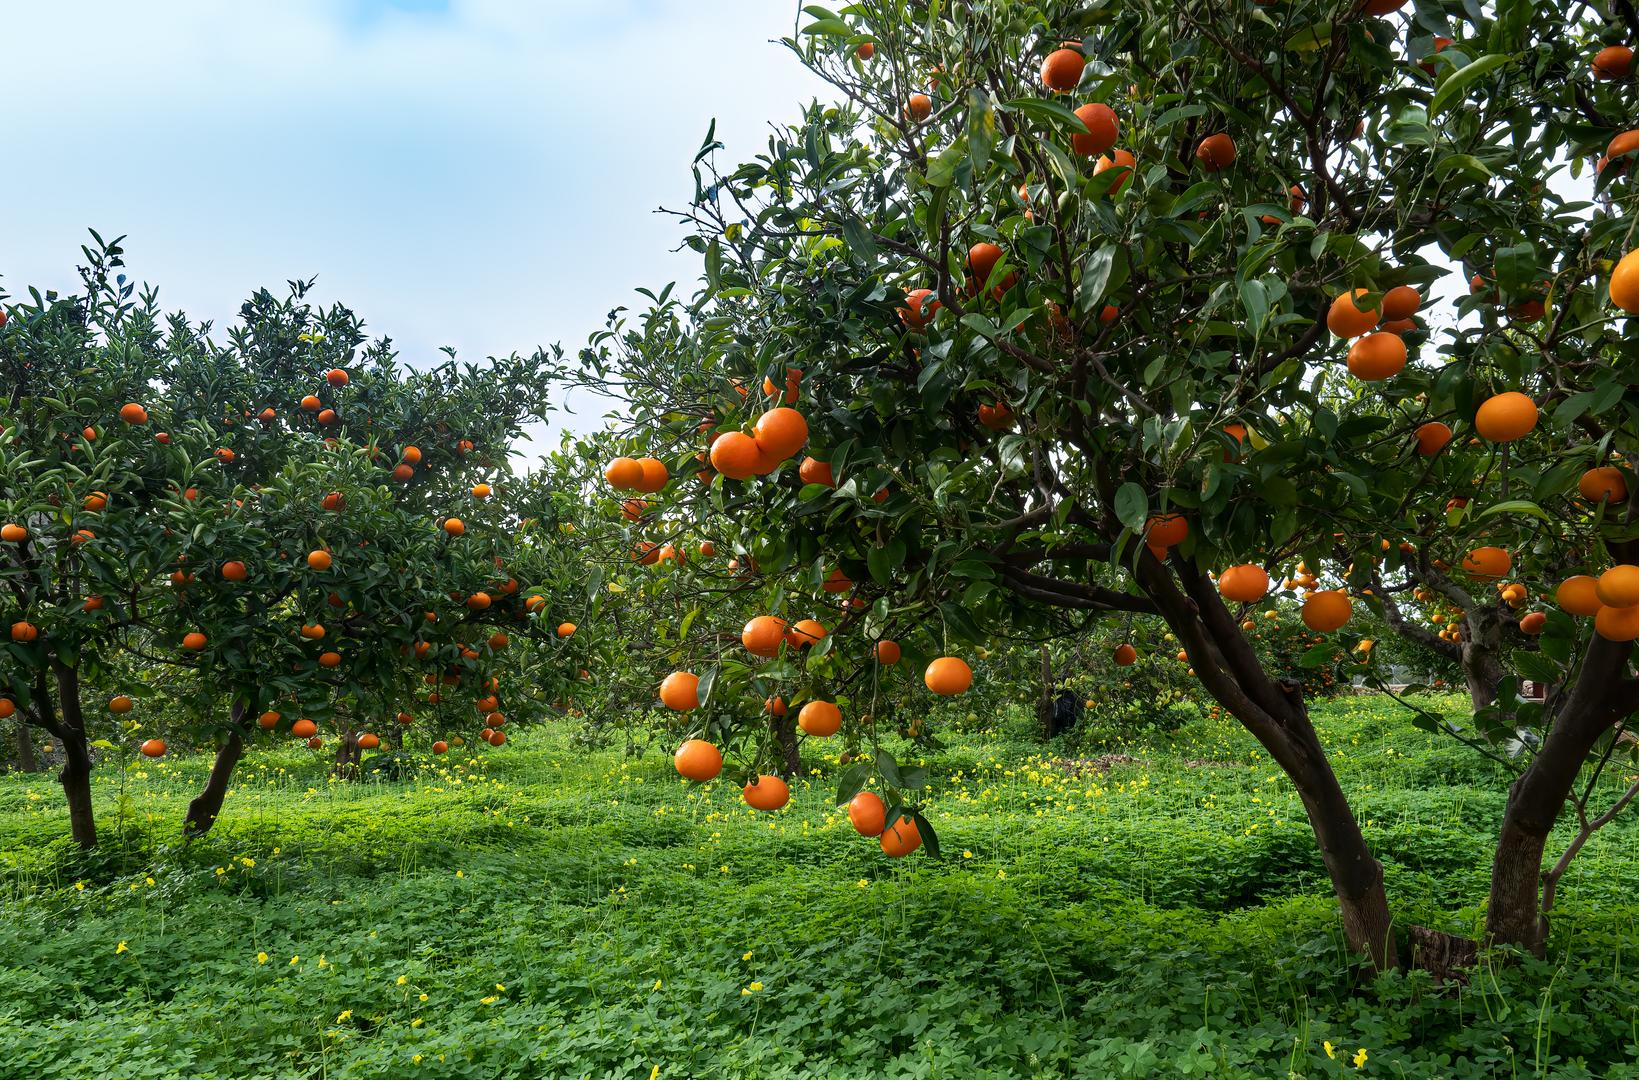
(1448, 957)
(207, 805)
(76, 780)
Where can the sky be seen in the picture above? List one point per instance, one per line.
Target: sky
(472, 173)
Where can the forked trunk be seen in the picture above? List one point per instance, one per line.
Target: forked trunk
(1482, 655)
(207, 805)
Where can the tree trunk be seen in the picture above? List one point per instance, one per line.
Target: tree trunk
(27, 760)
(785, 737)
(1536, 798)
(1044, 705)
(203, 810)
(1482, 655)
(76, 774)
(347, 756)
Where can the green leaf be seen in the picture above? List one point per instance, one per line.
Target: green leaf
(851, 781)
(1310, 38)
(1132, 506)
(1095, 277)
(1513, 506)
(1458, 82)
(828, 27)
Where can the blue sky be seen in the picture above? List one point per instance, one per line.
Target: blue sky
(472, 173)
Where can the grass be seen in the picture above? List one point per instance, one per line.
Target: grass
(544, 910)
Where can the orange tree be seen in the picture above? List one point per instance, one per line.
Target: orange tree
(1083, 293)
(311, 528)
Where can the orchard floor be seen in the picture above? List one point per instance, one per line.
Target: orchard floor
(543, 910)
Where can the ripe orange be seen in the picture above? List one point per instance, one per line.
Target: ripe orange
(1125, 655)
(334, 502)
(1377, 356)
(737, 455)
(766, 793)
(402, 473)
(441, 747)
(948, 675)
(268, 720)
(1401, 302)
(1487, 562)
(680, 691)
(837, 582)
(981, 260)
(329, 659)
(455, 526)
(887, 652)
(1061, 71)
(224, 455)
(1166, 530)
(1533, 623)
(1102, 129)
(867, 813)
(328, 417)
(565, 628)
(779, 433)
(336, 377)
(119, 705)
(234, 571)
(820, 719)
(707, 548)
(368, 741)
(13, 533)
(920, 107)
(919, 309)
(1122, 159)
(1617, 623)
(763, 634)
(624, 473)
(654, 475)
(902, 838)
(997, 417)
(1613, 62)
(1432, 437)
(813, 471)
(498, 641)
(865, 51)
(1619, 586)
(480, 491)
(1624, 287)
(1506, 417)
(310, 403)
(805, 632)
(92, 603)
(1346, 320)
(496, 738)
(1326, 610)
(1244, 584)
(304, 729)
(775, 706)
(1605, 482)
(153, 748)
(412, 455)
(132, 413)
(194, 641)
(699, 761)
(315, 631)
(315, 743)
(478, 601)
(1216, 152)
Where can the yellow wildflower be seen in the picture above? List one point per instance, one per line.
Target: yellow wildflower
(261, 958)
(121, 947)
(1360, 1057)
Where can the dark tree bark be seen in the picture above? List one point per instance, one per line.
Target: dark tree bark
(27, 761)
(348, 756)
(76, 772)
(1482, 654)
(1044, 704)
(207, 805)
(785, 737)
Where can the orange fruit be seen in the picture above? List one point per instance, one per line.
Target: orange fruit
(763, 634)
(813, 471)
(565, 628)
(1533, 623)
(624, 473)
(336, 377)
(1166, 530)
(1401, 302)
(153, 748)
(1125, 655)
(267, 720)
(455, 526)
(919, 309)
(779, 433)
(329, 659)
(7, 709)
(319, 560)
(902, 838)
(766, 793)
(887, 652)
(1605, 482)
(12, 533)
(132, 413)
(1345, 320)
(737, 455)
(707, 548)
(1506, 417)
(310, 403)
(655, 475)
(680, 691)
(1122, 159)
(867, 813)
(1619, 586)
(441, 747)
(1216, 152)
(1617, 623)
(919, 108)
(368, 741)
(480, 491)
(997, 417)
(315, 631)
(820, 719)
(1061, 71)
(25, 632)
(224, 455)
(412, 455)
(402, 473)
(234, 571)
(865, 51)
(478, 601)
(837, 582)
(304, 729)
(1243, 584)
(1613, 62)
(1432, 437)
(775, 706)
(119, 705)
(328, 416)
(805, 632)
(1624, 287)
(194, 641)
(1487, 562)
(1102, 129)
(948, 675)
(1377, 356)
(334, 501)
(1326, 610)
(314, 743)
